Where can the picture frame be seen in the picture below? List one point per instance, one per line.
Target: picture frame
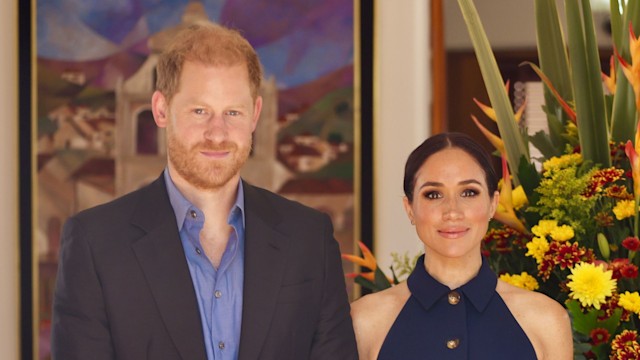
(85, 136)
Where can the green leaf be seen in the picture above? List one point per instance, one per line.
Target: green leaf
(542, 142)
(624, 112)
(616, 23)
(587, 83)
(381, 280)
(556, 128)
(612, 323)
(366, 283)
(509, 132)
(529, 177)
(582, 323)
(552, 53)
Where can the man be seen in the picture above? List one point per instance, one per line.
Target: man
(199, 264)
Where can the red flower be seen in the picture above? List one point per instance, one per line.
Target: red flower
(616, 267)
(599, 336)
(626, 340)
(600, 179)
(629, 271)
(569, 255)
(631, 243)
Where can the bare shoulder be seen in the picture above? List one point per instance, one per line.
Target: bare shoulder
(544, 320)
(373, 315)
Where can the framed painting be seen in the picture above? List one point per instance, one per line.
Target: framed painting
(88, 135)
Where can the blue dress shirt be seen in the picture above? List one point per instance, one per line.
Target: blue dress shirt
(219, 291)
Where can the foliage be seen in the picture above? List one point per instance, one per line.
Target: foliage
(577, 232)
(568, 226)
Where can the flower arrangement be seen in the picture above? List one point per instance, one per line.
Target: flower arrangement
(569, 229)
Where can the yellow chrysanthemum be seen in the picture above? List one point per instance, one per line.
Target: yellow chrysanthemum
(524, 280)
(562, 233)
(519, 198)
(630, 301)
(624, 209)
(537, 247)
(590, 284)
(544, 227)
(562, 162)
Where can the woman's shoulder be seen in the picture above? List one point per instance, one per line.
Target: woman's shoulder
(525, 301)
(390, 297)
(374, 314)
(544, 320)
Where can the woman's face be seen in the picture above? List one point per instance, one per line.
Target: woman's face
(451, 204)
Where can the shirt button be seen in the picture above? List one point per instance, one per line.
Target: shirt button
(217, 294)
(198, 251)
(453, 343)
(454, 297)
(193, 214)
(221, 345)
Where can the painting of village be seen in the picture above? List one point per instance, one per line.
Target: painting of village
(96, 138)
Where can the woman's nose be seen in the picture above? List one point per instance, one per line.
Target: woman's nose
(451, 210)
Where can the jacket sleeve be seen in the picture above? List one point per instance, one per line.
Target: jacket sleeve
(334, 337)
(80, 329)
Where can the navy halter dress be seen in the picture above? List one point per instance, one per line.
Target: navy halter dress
(471, 322)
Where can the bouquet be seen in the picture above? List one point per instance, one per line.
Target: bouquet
(570, 227)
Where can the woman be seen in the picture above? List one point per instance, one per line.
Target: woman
(453, 306)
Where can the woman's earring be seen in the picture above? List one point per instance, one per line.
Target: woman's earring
(413, 222)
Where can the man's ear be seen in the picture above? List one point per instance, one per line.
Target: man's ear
(257, 109)
(160, 109)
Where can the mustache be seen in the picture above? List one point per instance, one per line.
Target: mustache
(211, 146)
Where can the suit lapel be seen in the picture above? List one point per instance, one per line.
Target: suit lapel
(161, 257)
(264, 264)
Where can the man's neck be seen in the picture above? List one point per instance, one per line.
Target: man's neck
(214, 203)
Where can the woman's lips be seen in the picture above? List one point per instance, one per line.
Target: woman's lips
(453, 233)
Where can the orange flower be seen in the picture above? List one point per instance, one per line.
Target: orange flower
(610, 81)
(505, 213)
(368, 275)
(571, 113)
(632, 71)
(367, 261)
(495, 140)
(488, 110)
(635, 167)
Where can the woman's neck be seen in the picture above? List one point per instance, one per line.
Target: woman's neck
(453, 272)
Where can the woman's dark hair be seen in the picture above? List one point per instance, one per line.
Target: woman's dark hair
(443, 141)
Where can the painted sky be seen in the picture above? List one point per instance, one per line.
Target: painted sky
(297, 41)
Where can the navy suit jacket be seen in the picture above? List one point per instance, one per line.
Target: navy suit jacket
(124, 290)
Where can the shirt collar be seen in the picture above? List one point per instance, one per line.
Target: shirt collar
(181, 205)
(428, 290)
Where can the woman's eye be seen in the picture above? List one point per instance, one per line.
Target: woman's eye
(432, 195)
(469, 193)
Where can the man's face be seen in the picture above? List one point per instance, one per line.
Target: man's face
(209, 124)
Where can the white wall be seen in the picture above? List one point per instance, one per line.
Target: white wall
(402, 95)
(509, 24)
(9, 290)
